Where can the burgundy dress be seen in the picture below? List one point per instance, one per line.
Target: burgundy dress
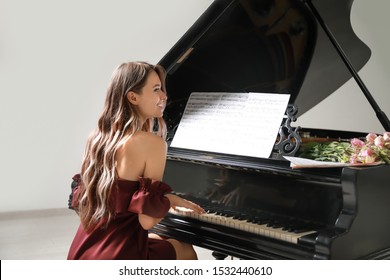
(124, 237)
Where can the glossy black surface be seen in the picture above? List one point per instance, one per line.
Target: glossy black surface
(273, 46)
(262, 46)
(349, 215)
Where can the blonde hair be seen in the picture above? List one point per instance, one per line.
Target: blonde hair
(117, 123)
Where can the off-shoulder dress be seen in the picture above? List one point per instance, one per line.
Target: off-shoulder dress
(124, 237)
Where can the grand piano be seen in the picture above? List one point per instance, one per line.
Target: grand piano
(261, 208)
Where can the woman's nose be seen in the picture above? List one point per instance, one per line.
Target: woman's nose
(163, 95)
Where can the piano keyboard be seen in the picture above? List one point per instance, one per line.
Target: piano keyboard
(277, 231)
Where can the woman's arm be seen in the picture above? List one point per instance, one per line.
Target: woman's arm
(155, 150)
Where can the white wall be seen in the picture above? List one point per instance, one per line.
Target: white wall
(347, 108)
(56, 58)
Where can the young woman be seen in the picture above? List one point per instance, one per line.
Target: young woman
(120, 194)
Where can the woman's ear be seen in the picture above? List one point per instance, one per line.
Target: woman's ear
(132, 97)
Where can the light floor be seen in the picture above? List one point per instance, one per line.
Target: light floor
(44, 235)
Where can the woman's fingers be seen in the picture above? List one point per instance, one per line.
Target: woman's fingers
(195, 207)
(177, 201)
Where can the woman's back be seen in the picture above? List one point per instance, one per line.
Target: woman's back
(143, 155)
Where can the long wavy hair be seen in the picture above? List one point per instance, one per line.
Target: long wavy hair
(117, 123)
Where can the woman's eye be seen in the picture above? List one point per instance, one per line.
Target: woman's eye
(157, 89)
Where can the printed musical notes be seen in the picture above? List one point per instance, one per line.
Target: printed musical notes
(232, 123)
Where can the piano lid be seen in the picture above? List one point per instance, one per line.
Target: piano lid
(262, 46)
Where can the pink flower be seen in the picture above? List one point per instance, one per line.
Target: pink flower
(357, 142)
(371, 137)
(367, 152)
(354, 159)
(386, 136)
(367, 156)
(379, 141)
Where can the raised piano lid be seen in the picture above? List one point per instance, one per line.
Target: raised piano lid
(261, 46)
(273, 46)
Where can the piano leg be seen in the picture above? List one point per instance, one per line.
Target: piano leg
(218, 255)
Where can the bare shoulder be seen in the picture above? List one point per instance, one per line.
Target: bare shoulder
(146, 144)
(148, 140)
(143, 154)
(152, 150)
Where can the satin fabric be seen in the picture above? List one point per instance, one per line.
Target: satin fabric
(124, 237)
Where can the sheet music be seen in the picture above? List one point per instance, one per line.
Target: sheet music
(231, 123)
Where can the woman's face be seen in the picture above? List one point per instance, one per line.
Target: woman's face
(151, 101)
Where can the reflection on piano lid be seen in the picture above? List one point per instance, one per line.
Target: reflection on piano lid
(272, 46)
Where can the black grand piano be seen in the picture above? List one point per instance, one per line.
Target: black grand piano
(260, 208)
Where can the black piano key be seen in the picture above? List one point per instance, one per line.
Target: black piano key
(301, 230)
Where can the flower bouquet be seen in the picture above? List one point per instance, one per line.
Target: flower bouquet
(373, 149)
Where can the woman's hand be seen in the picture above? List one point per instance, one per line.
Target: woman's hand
(177, 201)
